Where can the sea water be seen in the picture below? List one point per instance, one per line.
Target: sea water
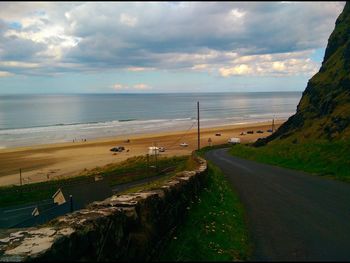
(40, 119)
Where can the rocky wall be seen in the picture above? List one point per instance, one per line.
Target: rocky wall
(125, 227)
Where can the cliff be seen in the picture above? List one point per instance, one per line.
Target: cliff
(324, 109)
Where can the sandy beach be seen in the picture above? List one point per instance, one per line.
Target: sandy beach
(47, 162)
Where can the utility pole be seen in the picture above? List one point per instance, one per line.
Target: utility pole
(273, 124)
(198, 132)
(147, 155)
(147, 164)
(20, 176)
(155, 153)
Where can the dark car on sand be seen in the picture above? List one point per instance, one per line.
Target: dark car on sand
(117, 149)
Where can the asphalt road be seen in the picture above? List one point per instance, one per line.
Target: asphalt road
(290, 215)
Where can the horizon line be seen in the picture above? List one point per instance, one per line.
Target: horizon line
(142, 93)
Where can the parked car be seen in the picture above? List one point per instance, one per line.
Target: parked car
(243, 133)
(250, 132)
(259, 131)
(269, 130)
(183, 144)
(161, 149)
(217, 134)
(117, 149)
(153, 150)
(234, 140)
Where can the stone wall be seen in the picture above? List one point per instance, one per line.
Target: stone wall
(125, 227)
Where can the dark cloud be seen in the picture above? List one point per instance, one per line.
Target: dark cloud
(190, 28)
(94, 36)
(20, 49)
(13, 48)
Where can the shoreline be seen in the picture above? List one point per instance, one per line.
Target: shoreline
(62, 138)
(44, 162)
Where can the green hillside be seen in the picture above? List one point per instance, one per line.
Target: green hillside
(324, 109)
(317, 138)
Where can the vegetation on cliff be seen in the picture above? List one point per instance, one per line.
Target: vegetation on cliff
(317, 138)
(324, 109)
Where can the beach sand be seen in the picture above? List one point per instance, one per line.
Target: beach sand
(46, 162)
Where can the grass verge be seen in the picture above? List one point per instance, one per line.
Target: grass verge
(137, 168)
(324, 158)
(214, 229)
(149, 185)
(130, 170)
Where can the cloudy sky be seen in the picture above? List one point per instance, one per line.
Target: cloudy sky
(118, 47)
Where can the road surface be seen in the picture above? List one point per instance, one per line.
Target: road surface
(290, 215)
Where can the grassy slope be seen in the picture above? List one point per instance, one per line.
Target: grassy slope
(187, 165)
(135, 168)
(324, 109)
(214, 229)
(323, 158)
(129, 170)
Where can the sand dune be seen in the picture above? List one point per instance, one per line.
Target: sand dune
(47, 162)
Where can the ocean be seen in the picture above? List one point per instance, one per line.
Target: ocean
(40, 119)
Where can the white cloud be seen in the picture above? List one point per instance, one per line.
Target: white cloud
(4, 74)
(123, 87)
(53, 36)
(280, 64)
(128, 20)
(141, 86)
(200, 67)
(137, 69)
(241, 69)
(237, 14)
(18, 64)
(14, 11)
(119, 86)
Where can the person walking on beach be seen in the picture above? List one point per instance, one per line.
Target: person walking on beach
(209, 141)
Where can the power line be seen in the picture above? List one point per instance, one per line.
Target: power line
(184, 134)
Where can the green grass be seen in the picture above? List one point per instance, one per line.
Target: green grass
(186, 164)
(18, 197)
(149, 186)
(28, 193)
(132, 169)
(214, 229)
(324, 158)
(135, 168)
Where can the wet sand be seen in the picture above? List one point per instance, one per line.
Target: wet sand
(46, 162)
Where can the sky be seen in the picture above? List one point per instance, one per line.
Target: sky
(161, 47)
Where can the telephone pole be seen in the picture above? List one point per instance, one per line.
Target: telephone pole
(155, 153)
(147, 164)
(20, 176)
(198, 132)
